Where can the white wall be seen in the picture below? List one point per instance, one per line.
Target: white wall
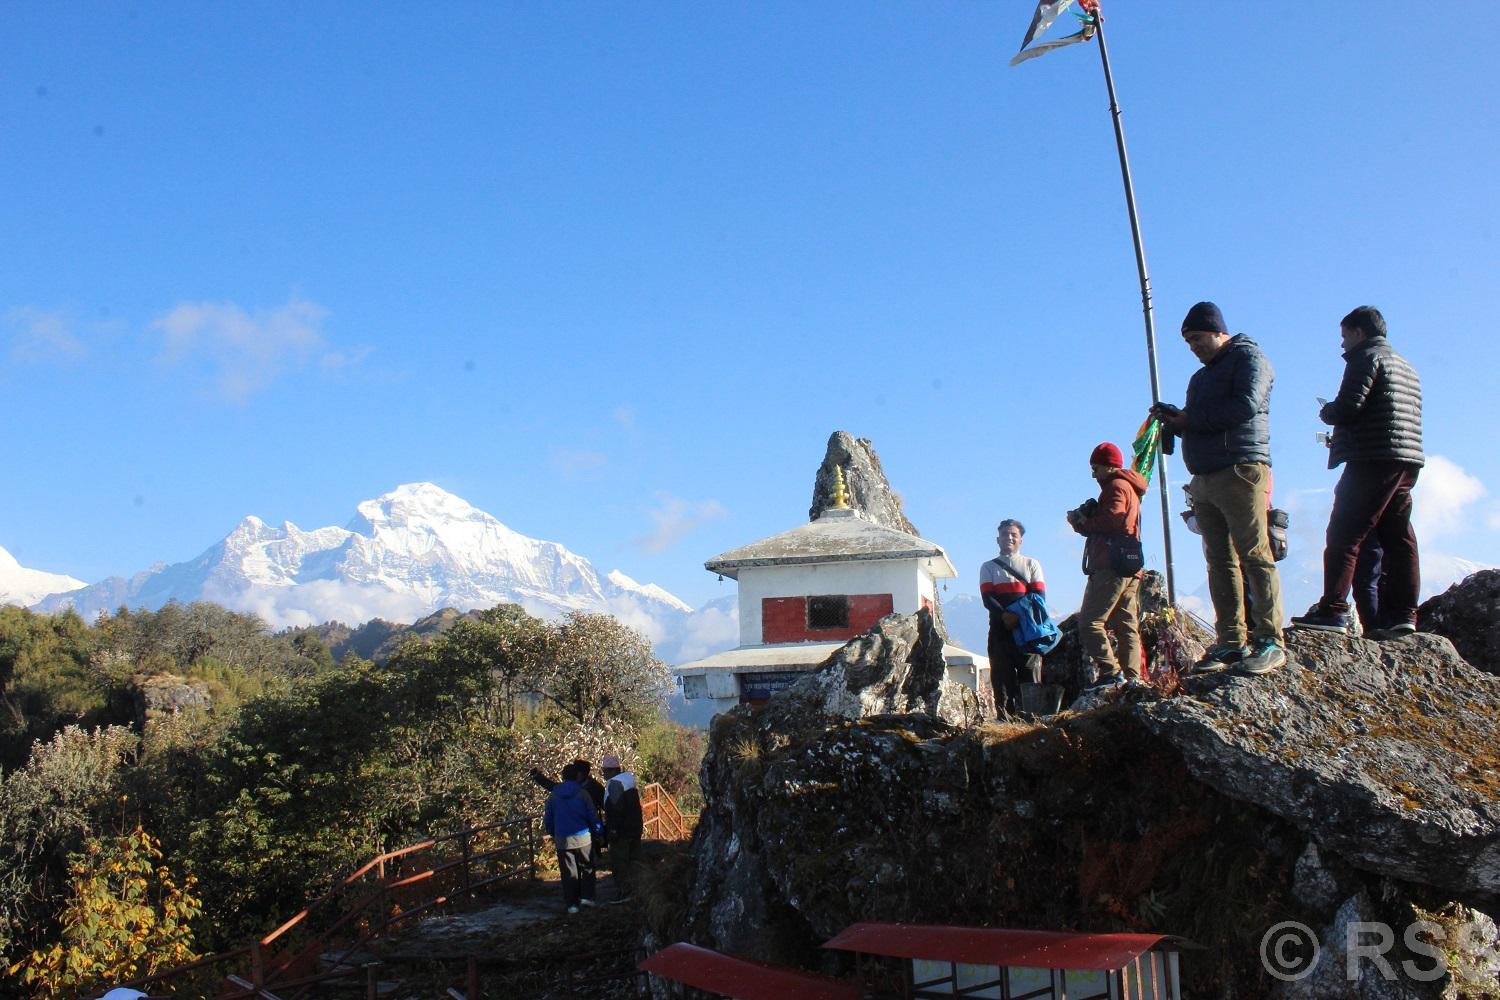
(901, 578)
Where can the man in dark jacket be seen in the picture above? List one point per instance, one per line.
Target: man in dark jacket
(571, 821)
(623, 823)
(1111, 601)
(1226, 444)
(1377, 437)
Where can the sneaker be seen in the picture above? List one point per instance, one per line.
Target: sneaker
(1400, 630)
(572, 909)
(1216, 658)
(1106, 681)
(1319, 620)
(588, 902)
(1265, 656)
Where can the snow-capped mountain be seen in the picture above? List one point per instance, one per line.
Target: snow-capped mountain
(402, 556)
(19, 585)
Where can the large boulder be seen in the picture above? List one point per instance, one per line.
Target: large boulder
(1388, 755)
(1359, 785)
(1468, 615)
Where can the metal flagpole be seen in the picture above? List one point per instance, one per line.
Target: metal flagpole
(1140, 263)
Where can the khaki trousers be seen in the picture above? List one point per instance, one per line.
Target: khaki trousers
(1111, 605)
(1231, 508)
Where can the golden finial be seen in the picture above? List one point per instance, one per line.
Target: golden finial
(840, 495)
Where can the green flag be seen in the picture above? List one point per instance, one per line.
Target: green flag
(1147, 445)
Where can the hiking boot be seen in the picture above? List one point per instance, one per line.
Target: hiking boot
(1216, 658)
(1265, 656)
(1320, 619)
(1106, 681)
(1400, 630)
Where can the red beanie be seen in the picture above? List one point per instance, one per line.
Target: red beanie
(1107, 454)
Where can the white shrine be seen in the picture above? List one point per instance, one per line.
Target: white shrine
(806, 592)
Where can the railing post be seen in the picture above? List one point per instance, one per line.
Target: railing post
(532, 847)
(371, 985)
(257, 966)
(472, 984)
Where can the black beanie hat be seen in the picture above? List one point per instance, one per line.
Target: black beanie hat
(1204, 316)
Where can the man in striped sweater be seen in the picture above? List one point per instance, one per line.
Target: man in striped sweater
(1002, 581)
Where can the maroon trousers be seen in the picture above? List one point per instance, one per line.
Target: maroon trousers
(1374, 499)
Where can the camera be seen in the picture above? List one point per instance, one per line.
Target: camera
(1078, 514)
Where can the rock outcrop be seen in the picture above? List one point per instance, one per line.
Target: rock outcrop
(1360, 784)
(869, 490)
(158, 695)
(1468, 615)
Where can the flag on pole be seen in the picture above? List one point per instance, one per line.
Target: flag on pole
(1048, 11)
(1146, 446)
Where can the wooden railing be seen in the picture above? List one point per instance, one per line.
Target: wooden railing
(386, 891)
(661, 818)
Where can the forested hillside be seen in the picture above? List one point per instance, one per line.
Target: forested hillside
(175, 781)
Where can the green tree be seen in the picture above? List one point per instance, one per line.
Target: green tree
(46, 678)
(598, 668)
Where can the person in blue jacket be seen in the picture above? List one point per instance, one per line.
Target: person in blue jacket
(572, 823)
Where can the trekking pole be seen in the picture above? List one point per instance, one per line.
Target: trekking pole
(1140, 265)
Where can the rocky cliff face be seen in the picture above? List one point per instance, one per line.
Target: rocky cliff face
(1468, 614)
(1360, 785)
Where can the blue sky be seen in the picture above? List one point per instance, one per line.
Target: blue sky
(614, 272)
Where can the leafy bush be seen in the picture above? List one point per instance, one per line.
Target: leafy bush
(126, 917)
(48, 809)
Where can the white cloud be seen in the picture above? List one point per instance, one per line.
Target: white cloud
(675, 519)
(1443, 494)
(1441, 571)
(38, 335)
(708, 631)
(243, 352)
(319, 601)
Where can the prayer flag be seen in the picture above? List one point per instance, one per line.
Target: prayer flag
(1048, 11)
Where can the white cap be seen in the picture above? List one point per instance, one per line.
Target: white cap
(123, 993)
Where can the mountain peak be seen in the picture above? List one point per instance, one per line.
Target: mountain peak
(20, 585)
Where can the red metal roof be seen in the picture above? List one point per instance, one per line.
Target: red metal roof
(742, 978)
(997, 946)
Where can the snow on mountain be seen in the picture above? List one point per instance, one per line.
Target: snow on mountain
(402, 556)
(19, 585)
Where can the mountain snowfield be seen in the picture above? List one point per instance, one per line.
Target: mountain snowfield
(19, 585)
(403, 555)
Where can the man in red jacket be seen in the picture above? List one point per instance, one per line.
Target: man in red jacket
(1111, 601)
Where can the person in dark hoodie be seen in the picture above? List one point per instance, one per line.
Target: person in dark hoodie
(1111, 602)
(572, 822)
(1225, 425)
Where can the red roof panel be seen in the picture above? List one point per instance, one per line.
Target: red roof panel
(742, 978)
(998, 946)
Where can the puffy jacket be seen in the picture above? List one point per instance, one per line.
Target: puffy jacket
(1377, 415)
(1228, 409)
(569, 812)
(1118, 513)
(622, 807)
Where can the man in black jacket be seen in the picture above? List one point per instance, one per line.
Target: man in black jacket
(1377, 437)
(1226, 445)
